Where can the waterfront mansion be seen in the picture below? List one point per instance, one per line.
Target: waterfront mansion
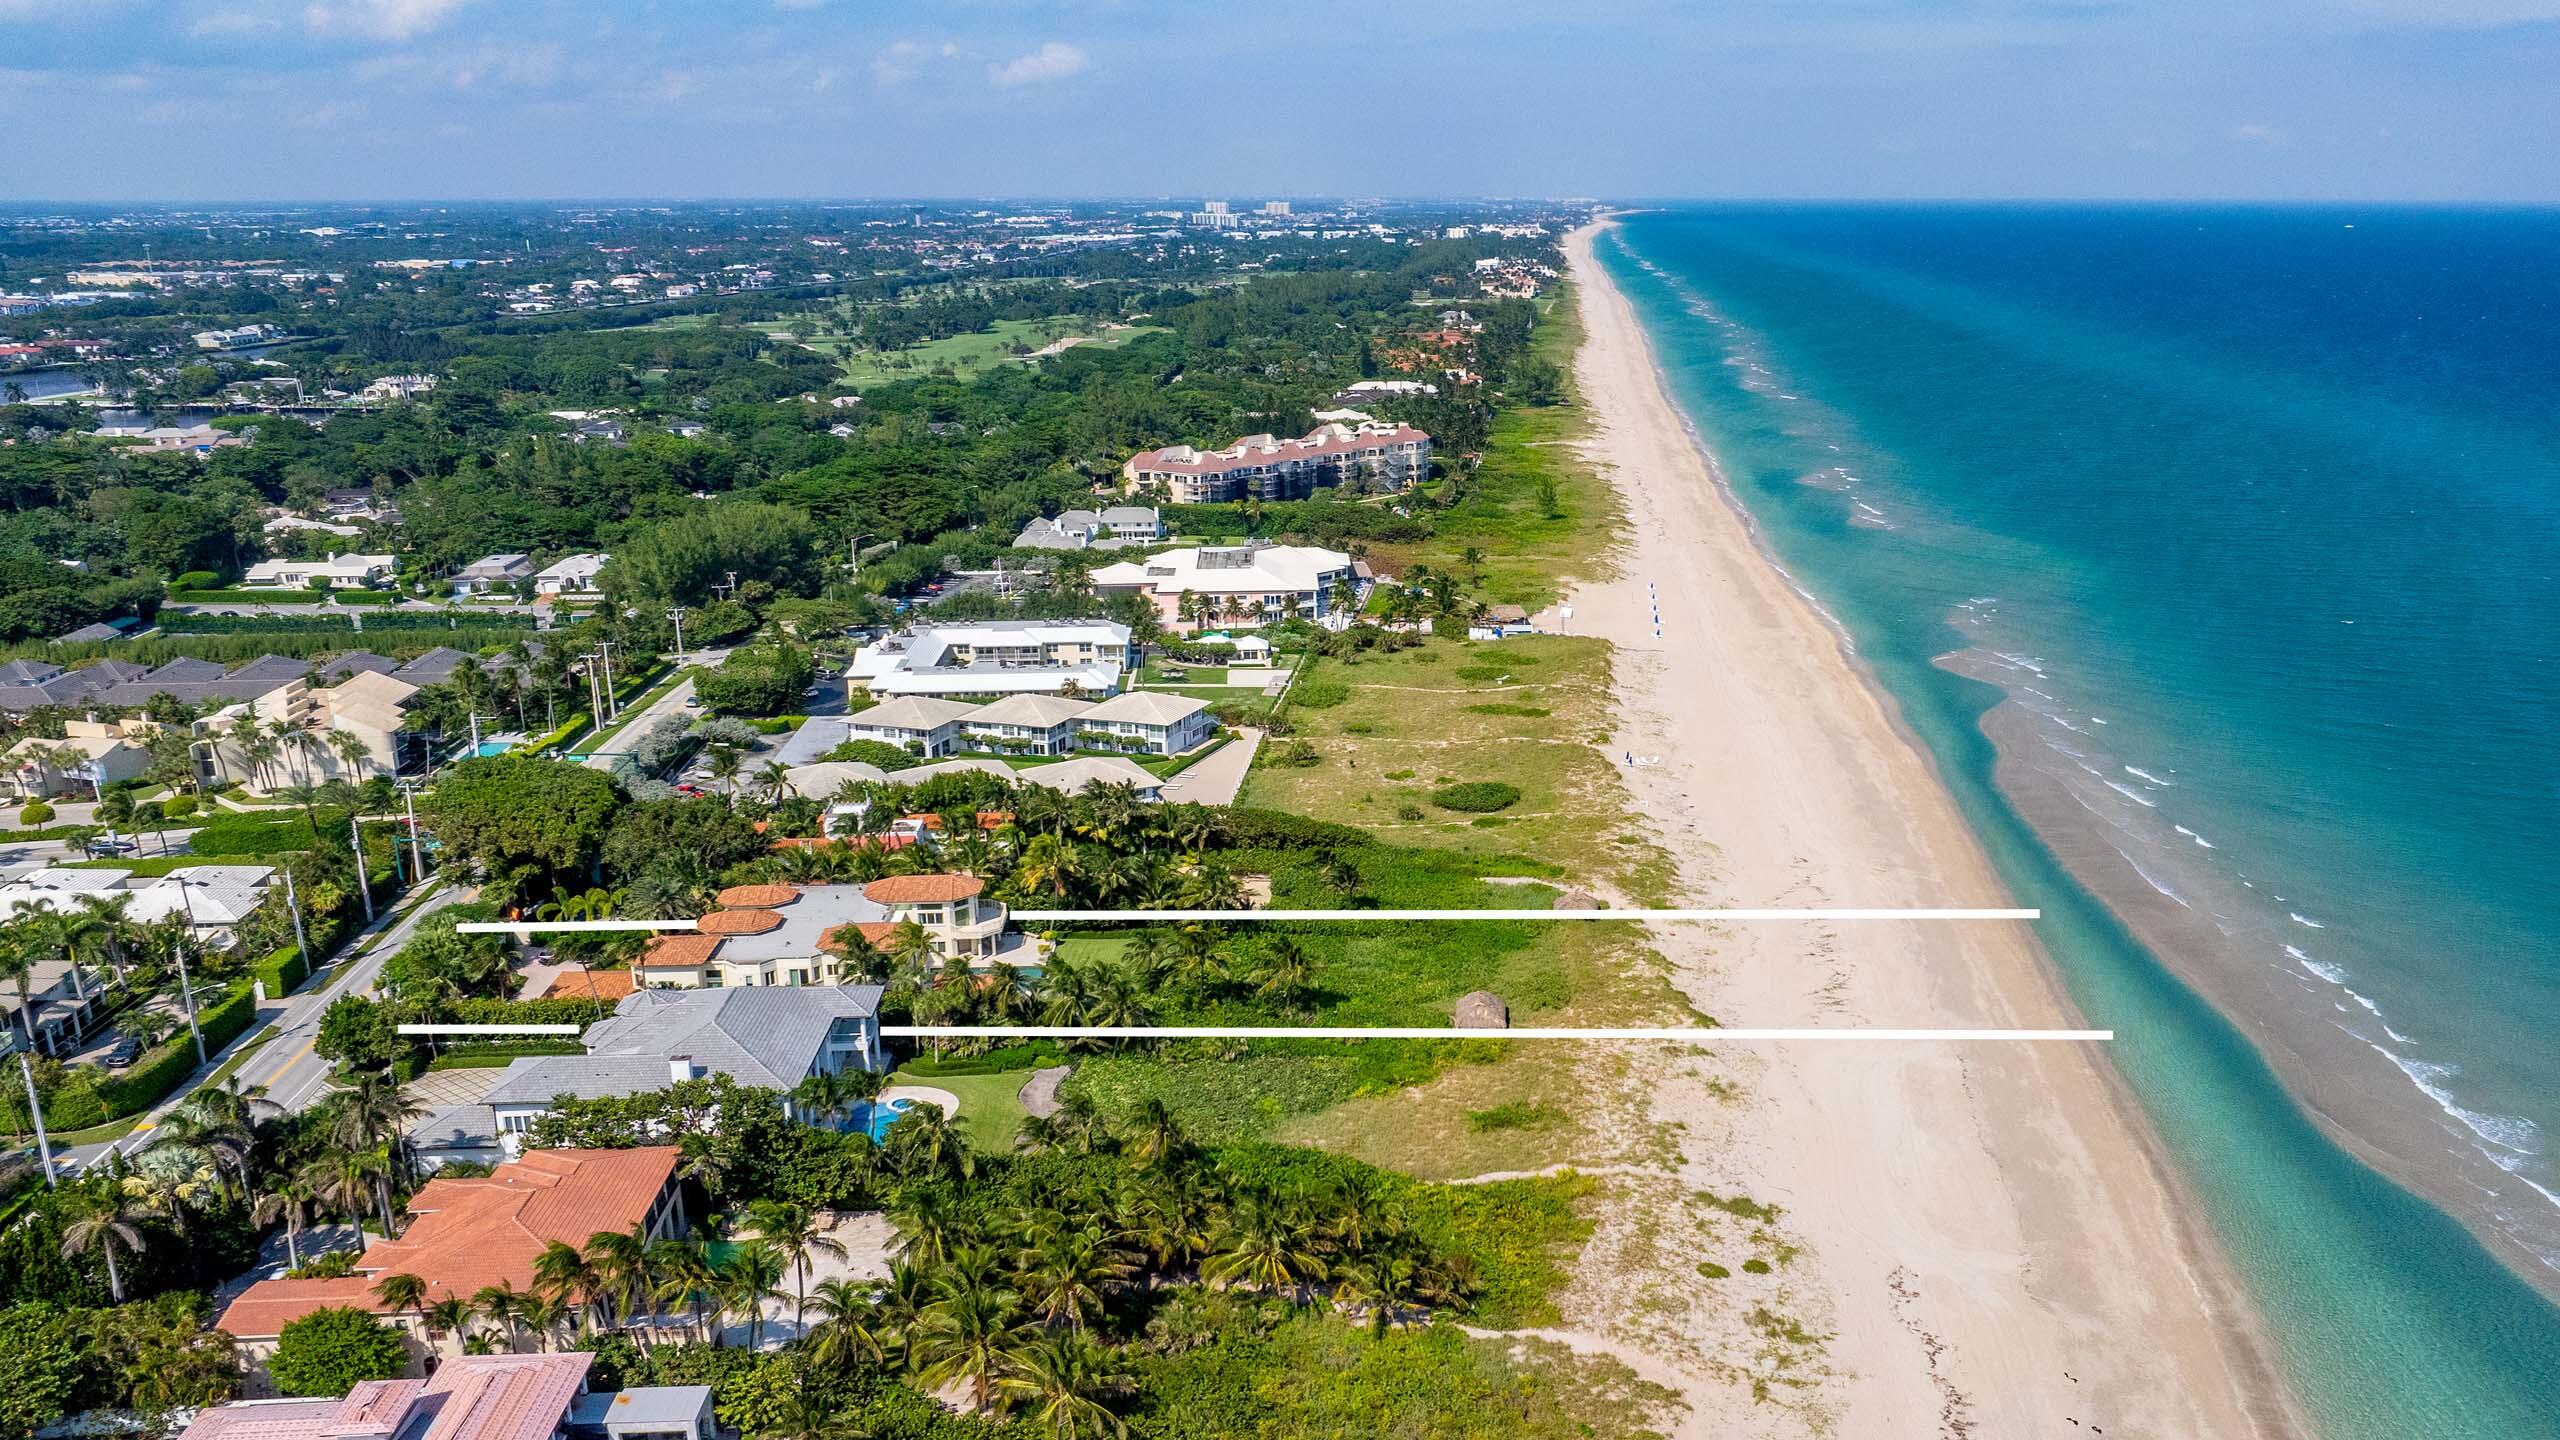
(1265, 467)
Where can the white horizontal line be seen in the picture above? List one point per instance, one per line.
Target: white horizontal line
(1728, 914)
(527, 927)
(492, 1029)
(1692, 1034)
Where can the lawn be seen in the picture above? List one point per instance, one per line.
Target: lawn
(1532, 712)
(990, 1105)
(962, 355)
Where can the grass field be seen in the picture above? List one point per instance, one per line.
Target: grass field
(990, 1105)
(962, 356)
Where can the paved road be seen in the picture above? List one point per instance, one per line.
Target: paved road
(294, 1077)
(671, 703)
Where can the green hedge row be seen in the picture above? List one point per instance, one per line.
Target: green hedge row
(1035, 1055)
(162, 1070)
(283, 971)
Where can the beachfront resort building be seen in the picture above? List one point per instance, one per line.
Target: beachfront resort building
(987, 659)
(468, 1233)
(1205, 586)
(475, 1397)
(1265, 467)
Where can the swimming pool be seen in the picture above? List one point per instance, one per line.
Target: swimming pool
(874, 1117)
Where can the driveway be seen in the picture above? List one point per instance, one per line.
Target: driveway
(1216, 780)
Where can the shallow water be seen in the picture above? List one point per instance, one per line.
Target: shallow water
(2243, 527)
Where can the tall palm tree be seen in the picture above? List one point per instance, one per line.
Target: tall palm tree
(850, 1328)
(1267, 1244)
(503, 1306)
(684, 1278)
(796, 1236)
(449, 1316)
(619, 1262)
(289, 1202)
(750, 1278)
(1061, 1378)
(106, 923)
(773, 780)
(18, 963)
(562, 1275)
(114, 1224)
(355, 757)
(928, 1223)
(1155, 1137)
(401, 1292)
(973, 1335)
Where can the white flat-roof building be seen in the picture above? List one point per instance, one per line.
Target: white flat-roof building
(343, 572)
(990, 659)
(1246, 584)
(570, 575)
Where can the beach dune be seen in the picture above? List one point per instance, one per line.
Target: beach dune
(1991, 1238)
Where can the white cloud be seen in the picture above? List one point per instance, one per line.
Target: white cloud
(1054, 61)
(379, 19)
(231, 22)
(906, 59)
(2255, 133)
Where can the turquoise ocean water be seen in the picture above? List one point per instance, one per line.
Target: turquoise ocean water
(2215, 555)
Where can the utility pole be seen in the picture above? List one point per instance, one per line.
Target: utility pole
(677, 615)
(35, 1112)
(355, 832)
(595, 700)
(612, 703)
(417, 865)
(187, 987)
(293, 903)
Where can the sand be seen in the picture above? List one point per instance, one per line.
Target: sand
(1992, 1244)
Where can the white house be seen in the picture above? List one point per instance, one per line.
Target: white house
(493, 572)
(570, 575)
(343, 572)
(1026, 724)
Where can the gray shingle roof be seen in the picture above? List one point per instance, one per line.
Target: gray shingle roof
(756, 1035)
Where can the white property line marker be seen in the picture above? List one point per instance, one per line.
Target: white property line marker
(1684, 1034)
(1691, 1034)
(579, 927)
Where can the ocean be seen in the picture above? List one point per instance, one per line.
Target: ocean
(2214, 553)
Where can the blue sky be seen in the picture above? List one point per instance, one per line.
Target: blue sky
(401, 99)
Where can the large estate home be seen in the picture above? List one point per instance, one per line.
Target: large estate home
(787, 935)
(983, 659)
(1203, 586)
(468, 1233)
(475, 1397)
(1265, 467)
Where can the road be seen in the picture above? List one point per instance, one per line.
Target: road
(293, 1076)
(671, 703)
(1215, 780)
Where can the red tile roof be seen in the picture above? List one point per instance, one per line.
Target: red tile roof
(737, 922)
(1183, 459)
(480, 1231)
(762, 897)
(577, 982)
(875, 931)
(683, 951)
(922, 889)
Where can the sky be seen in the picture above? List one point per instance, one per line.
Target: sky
(312, 100)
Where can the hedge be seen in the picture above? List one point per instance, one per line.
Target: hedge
(1251, 829)
(1036, 1054)
(156, 1074)
(555, 1010)
(283, 971)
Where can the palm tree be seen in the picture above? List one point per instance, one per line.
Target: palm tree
(973, 1334)
(403, 1292)
(354, 755)
(449, 1316)
(850, 1328)
(503, 1306)
(562, 1275)
(796, 1236)
(1155, 1137)
(1266, 1244)
(619, 1260)
(683, 1278)
(1061, 1376)
(289, 1202)
(105, 921)
(773, 778)
(18, 962)
(1066, 1270)
(115, 1224)
(928, 1224)
(750, 1277)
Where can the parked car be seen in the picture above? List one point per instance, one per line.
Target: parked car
(690, 790)
(109, 849)
(693, 702)
(127, 1050)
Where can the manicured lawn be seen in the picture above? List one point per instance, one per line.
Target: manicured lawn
(963, 355)
(991, 1110)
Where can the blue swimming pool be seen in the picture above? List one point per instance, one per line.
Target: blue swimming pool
(874, 1117)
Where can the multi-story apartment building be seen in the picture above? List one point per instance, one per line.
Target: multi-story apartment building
(1265, 467)
(984, 659)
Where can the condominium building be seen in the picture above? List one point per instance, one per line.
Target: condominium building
(1265, 467)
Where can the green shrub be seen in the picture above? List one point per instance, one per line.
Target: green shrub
(1755, 1267)
(196, 580)
(35, 813)
(282, 971)
(1408, 812)
(1709, 1269)
(1522, 712)
(177, 806)
(330, 1350)
(1477, 797)
(875, 752)
(1319, 694)
(1513, 1115)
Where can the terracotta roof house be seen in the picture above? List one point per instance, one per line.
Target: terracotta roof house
(1269, 468)
(470, 1233)
(475, 1397)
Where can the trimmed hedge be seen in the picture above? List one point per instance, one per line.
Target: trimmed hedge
(1036, 1054)
(283, 971)
(157, 1074)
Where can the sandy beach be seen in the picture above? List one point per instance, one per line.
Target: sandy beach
(1989, 1242)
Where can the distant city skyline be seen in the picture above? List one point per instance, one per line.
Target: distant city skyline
(395, 100)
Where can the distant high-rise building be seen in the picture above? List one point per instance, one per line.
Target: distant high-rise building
(1275, 207)
(1215, 215)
